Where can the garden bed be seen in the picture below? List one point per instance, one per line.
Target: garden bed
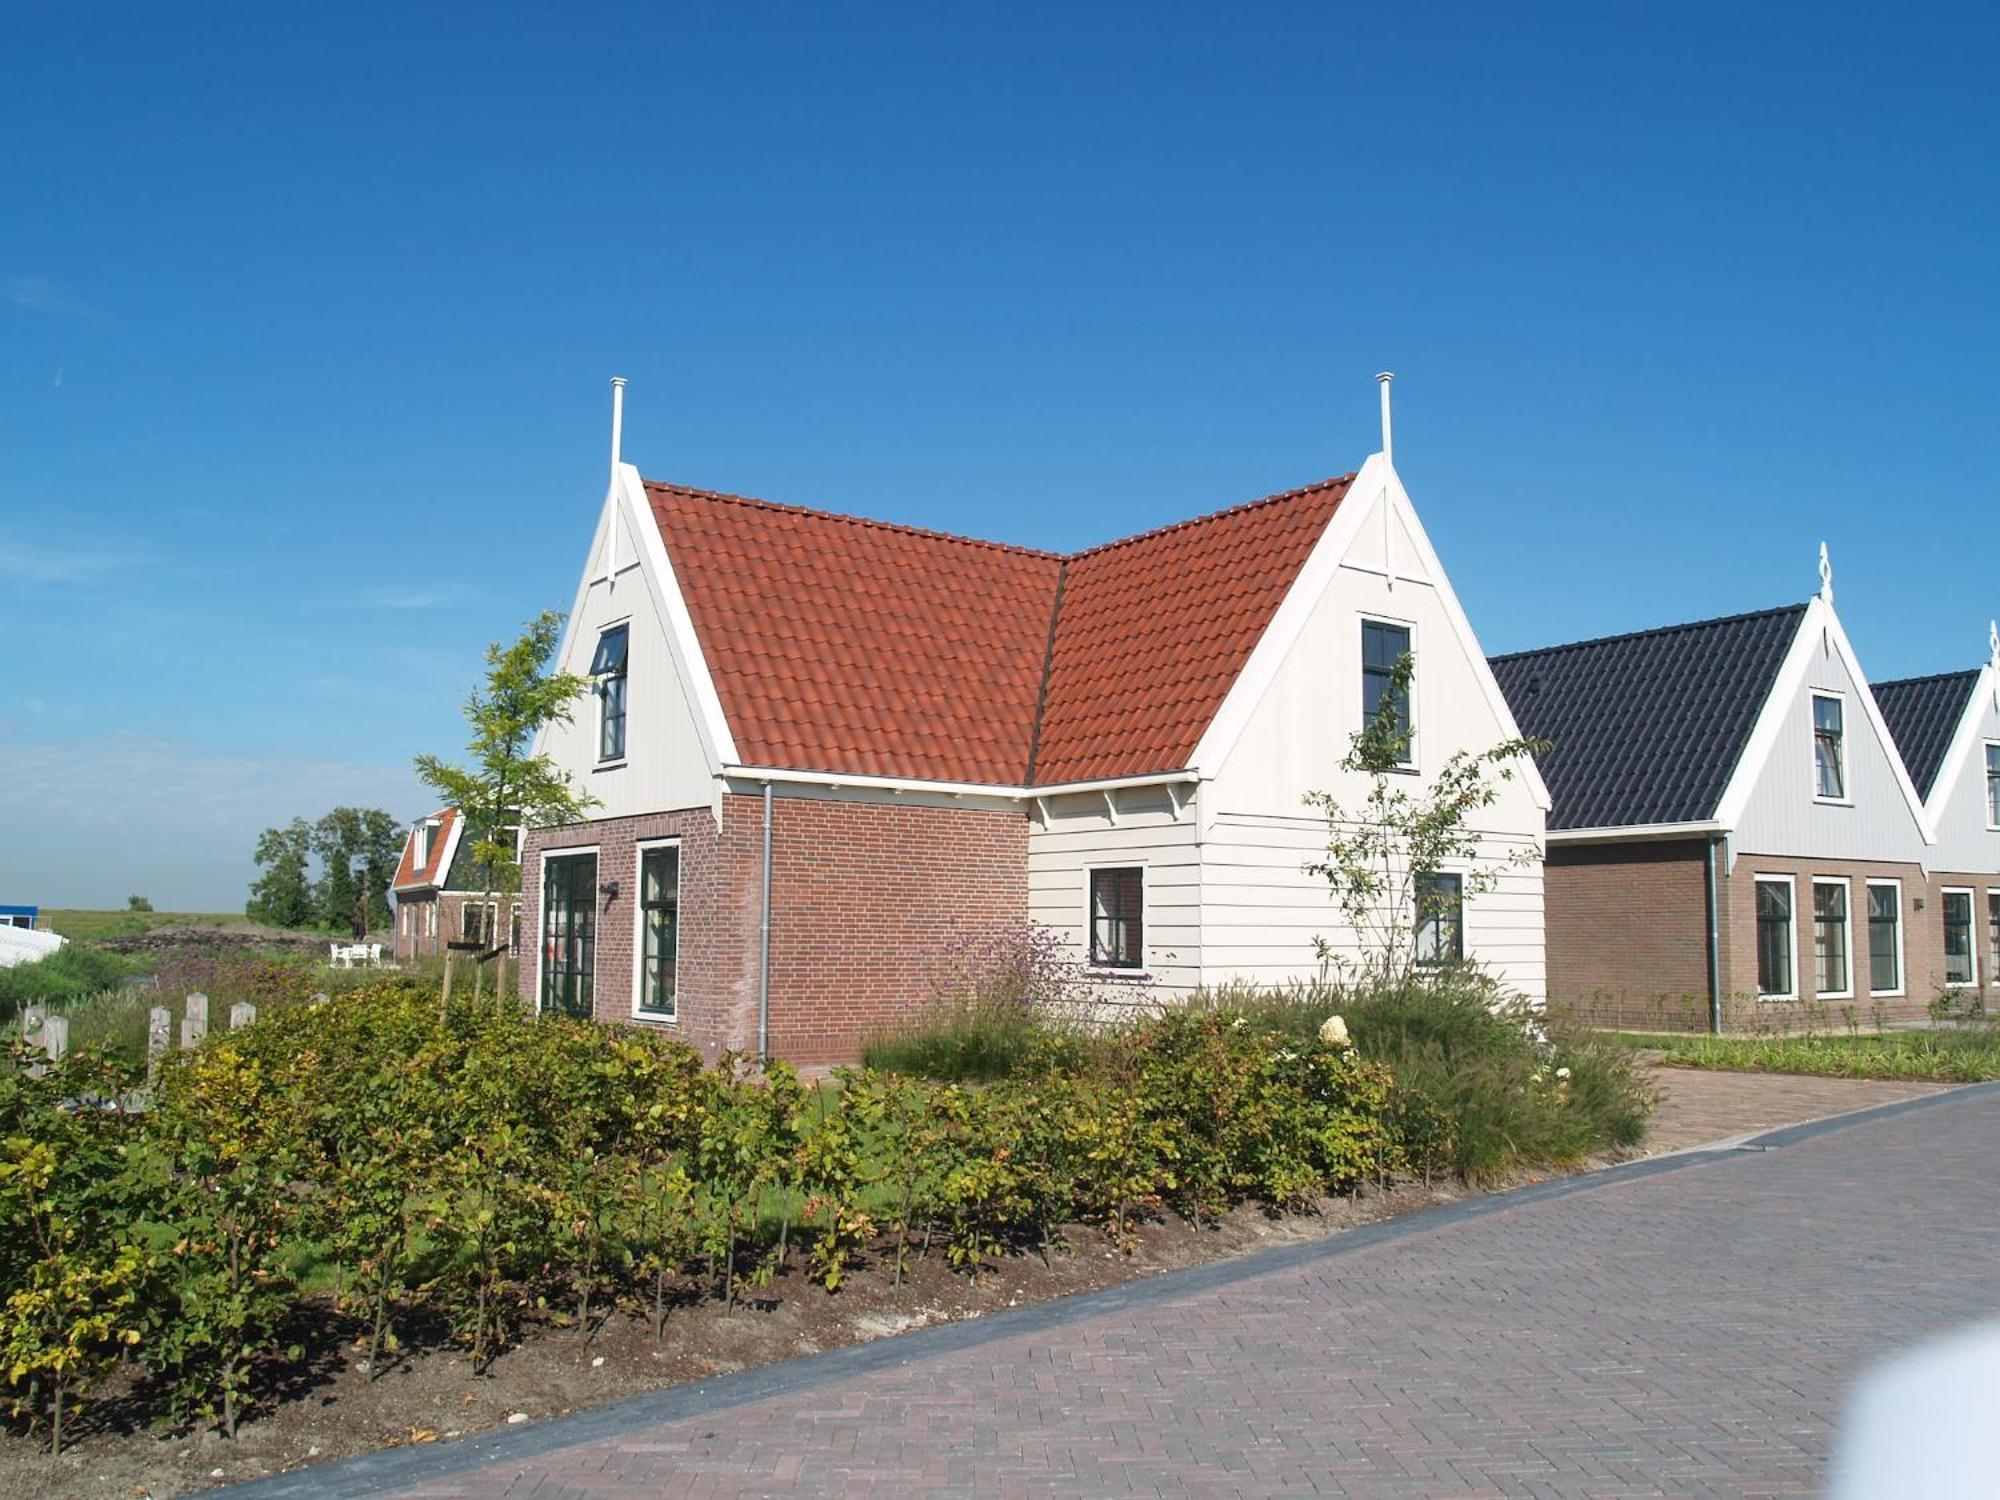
(1947, 1054)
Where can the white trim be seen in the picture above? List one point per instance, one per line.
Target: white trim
(838, 779)
(1313, 581)
(1819, 621)
(542, 917)
(1636, 832)
(1791, 884)
(1846, 797)
(1846, 884)
(680, 624)
(1964, 736)
(1971, 933)
(449, 857)
(1902, 948)
(1119, 971)
(639, 852)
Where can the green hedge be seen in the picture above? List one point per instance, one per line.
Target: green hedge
(474, 1166)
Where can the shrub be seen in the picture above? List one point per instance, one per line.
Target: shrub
(69, 974)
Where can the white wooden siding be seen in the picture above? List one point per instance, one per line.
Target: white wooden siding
(1965, 844)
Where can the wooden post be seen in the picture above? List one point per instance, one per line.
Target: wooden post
(32, 1017)
(55, 1037)
(194, 1024)
(241, 1014)
(159, 1027)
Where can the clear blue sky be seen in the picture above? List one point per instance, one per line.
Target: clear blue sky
(305, 322)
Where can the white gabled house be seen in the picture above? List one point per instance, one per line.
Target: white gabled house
(827, 751)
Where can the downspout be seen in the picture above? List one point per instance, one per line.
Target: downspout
(1714, 943)
(764, 944)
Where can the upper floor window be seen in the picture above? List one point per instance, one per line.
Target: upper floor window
(1440, 920)
(1829, 747)
(608, 667)
(1383, 647)
(1993, 786)
(1118, 918)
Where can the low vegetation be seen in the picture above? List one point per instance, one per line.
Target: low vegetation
(1967, 1054)
(67, 976)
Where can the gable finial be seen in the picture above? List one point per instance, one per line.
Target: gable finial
(1993, 641)
(617, 422)
(1825, 574)
(1388, 444)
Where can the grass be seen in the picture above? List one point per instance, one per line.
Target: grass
(81, 924)
(1968, 1054)
(68, 975)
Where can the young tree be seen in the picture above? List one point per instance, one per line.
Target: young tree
(505, 787)
(1406, 832)
(282, 896)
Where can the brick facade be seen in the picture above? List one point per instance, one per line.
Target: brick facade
(864, 895)
(1628, 939)
(420, 935)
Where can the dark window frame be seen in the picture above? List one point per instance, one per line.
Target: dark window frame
(1965, 930)
(1878, 949)
(1830, 749)
(1844, 926)
(609, 667)
(569, 934)
(1993, 784)
(1378, 665)
(1440, 915)
(656, 914)
(1771, 926)
(1116, 910)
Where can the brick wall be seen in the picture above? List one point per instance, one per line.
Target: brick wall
(1628, 933)
(864, 894)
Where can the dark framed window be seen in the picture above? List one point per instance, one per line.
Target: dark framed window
(1829, 746)
(1993, 786)
(569, 934)
(472, 922)
(1960, 964)
(1885, 939)
(1992, 936)
(659, 930)
(1382, 647)
(1440, 920)
(608, 667)
(1774, 938)
(1118, 918)
(1832, 974)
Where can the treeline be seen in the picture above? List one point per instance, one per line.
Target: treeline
(334, 873)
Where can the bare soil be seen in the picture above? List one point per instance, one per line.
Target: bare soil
(328, 1408)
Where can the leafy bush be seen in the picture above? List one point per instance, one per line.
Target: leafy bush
(72, 972)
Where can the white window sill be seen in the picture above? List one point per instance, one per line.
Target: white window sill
(1097, 971)
(1777, 999)
(609, 765)
(1835, 995)
(1888, 994)
(656, 1018)
(1833, 801)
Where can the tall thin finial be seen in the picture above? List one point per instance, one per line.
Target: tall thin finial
(1993, 641)
(1825, 574)
(1388, 433)
(617, 422)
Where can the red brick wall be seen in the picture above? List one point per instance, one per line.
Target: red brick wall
(1628, 933)
(864, 894)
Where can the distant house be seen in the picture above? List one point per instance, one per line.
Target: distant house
(22, 940)
(1948, 730)
(438, 890)
(825, 749)
(1733, 830)
(23, 918)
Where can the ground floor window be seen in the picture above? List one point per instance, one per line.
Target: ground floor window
(430, 919)
(1831, 977)
(1960, 964)
(1885, 938)
(1774, 937)
(1440, 919)
(659, 928)
(569, 933)
(1993, 936)
(1118, 918)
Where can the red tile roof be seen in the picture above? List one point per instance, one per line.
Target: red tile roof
(848, 645)
(411, 875)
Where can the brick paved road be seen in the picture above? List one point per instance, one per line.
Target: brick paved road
(1688, 1327)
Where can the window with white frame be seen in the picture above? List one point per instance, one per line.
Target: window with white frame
(659, 930)
(1829, 747)
(1993, 786)
(1118, 918)
(1833, 976)
(1992, 936)
(430, 919)
(1383, 647)
(1440, 933)
(1775, 946)
(1961, 961)
(608, 668)
(1885, 938)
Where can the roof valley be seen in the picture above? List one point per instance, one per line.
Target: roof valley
(1048, 664)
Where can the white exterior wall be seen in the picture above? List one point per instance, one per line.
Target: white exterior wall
(1261, 911)
(667, 762)
(1070, 835)
(1966, 843)
(1779, 814)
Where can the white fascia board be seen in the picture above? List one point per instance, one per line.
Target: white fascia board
(837, 779)
(1818, 621)
(1637, 832)
(450, 847)
(1963, 739)
(1376, 478)
(720, 743)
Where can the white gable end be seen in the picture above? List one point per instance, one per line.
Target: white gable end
(1960, 812)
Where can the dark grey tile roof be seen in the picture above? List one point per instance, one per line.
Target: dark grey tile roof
(1922, 712)
(1646, 728)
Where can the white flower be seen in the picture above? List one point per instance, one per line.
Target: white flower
(1333, 1031)
(1562, 1073)
(1286, 1056)
(1237, 1024)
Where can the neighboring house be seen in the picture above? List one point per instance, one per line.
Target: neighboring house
(24, 918)
(22, 940)
(1733, 830)
(826, 749)
(438, 890)
(1948, 730)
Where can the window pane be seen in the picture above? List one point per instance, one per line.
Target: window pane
(1382, 647)
(1829, 765)
(1830, 938)
(1993, 785)
(659, 881)
(1958, 964)
(611, 737)
(1993, 936)
(1774, 938)
(1117, 918)
(569, 934)
(1885, 939)
(610, 657)
(1440, 919)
